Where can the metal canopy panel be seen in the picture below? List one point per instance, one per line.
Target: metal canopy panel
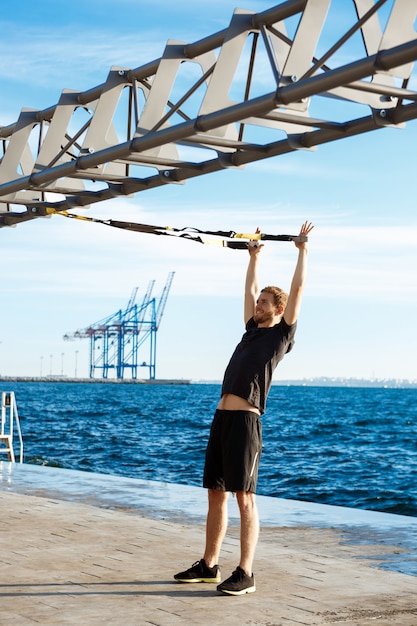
(243, 94)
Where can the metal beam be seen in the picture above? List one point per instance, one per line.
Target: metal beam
(97, 162)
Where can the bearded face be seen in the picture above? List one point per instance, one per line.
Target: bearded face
(264, 317)
(265, 310)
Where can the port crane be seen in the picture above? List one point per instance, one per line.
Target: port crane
(285, 79)
(115, 340)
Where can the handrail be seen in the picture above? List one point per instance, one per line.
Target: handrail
(10, 418)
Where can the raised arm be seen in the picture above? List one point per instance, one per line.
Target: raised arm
(297, 284)
(252, 282)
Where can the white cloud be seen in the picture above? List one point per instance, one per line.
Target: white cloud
(79, 57)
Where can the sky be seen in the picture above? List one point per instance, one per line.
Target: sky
(59, 275)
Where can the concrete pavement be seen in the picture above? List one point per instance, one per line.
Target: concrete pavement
(76, 560)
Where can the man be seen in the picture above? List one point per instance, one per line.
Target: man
(235, 443)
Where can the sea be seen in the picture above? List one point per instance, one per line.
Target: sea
(353, 447)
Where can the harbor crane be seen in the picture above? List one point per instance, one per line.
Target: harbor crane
(298, 79)
(115, 340)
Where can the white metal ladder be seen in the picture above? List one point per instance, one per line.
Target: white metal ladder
(10, 422)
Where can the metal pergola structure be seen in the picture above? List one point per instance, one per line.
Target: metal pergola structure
(271, 83)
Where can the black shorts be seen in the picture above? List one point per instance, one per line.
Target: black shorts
(233, 451)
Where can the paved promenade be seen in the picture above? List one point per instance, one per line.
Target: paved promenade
(88, 549)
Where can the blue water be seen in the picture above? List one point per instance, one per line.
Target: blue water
(354, 447)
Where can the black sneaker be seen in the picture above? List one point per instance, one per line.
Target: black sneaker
(199, 572)
(238, 583)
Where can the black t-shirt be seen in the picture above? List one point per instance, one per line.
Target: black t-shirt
(249, 372)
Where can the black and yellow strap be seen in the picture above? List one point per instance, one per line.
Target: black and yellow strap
(226, 239)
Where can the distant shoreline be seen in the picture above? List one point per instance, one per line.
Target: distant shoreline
(68, 379)
(323, 381)
(383, 383)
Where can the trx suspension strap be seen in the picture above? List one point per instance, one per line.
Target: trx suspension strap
(226, 239)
